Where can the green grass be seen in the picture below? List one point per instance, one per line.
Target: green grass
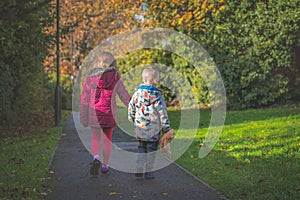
(24, 162)
(256, 157)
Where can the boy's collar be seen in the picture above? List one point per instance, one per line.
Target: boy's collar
(148, 87)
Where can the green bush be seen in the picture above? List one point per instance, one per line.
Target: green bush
(253, 45)
(23, 46)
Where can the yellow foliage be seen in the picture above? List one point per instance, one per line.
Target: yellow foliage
(203, 6)
(173, 23)
(188, 16)
(222, 7)
(179, 21)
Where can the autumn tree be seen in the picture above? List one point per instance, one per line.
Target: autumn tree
(85, 24)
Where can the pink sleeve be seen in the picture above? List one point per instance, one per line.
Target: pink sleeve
(84, 104)
(123, 93)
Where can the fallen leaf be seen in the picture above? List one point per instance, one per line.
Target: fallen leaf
(46, 178)
(44, 193)
(26, 190)
(113, 193)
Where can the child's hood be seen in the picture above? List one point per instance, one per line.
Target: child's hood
(148, 94)
(103, 78)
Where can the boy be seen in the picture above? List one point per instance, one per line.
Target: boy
(148, 112)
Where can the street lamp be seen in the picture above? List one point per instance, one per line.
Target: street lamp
(57, 89)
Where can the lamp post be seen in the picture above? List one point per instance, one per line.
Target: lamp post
(57, 89)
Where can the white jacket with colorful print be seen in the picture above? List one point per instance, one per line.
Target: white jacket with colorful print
(148, 112)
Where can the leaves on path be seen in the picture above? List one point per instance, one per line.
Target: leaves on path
(113, 193)
(165, 194)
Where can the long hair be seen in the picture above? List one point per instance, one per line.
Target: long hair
(104, 60)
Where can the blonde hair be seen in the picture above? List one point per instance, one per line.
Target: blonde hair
(150, 74)
(104, 60)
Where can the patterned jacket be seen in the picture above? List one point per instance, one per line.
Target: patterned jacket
(148, 112)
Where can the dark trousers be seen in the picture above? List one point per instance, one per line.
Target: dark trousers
(146, 154)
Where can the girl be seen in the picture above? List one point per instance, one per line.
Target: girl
(98, 106)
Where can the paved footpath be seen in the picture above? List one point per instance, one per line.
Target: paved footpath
(71, 179)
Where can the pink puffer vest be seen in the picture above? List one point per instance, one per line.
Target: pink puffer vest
(98, 98)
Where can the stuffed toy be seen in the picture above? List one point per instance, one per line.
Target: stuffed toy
(164, 142)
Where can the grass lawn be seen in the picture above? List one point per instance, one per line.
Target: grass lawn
(256, 157)
(24, 161)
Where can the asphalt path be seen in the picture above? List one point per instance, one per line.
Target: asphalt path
(70, 178)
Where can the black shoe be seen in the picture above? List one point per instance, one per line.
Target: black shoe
(149, 175)
(139, 172)
(94, 170)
